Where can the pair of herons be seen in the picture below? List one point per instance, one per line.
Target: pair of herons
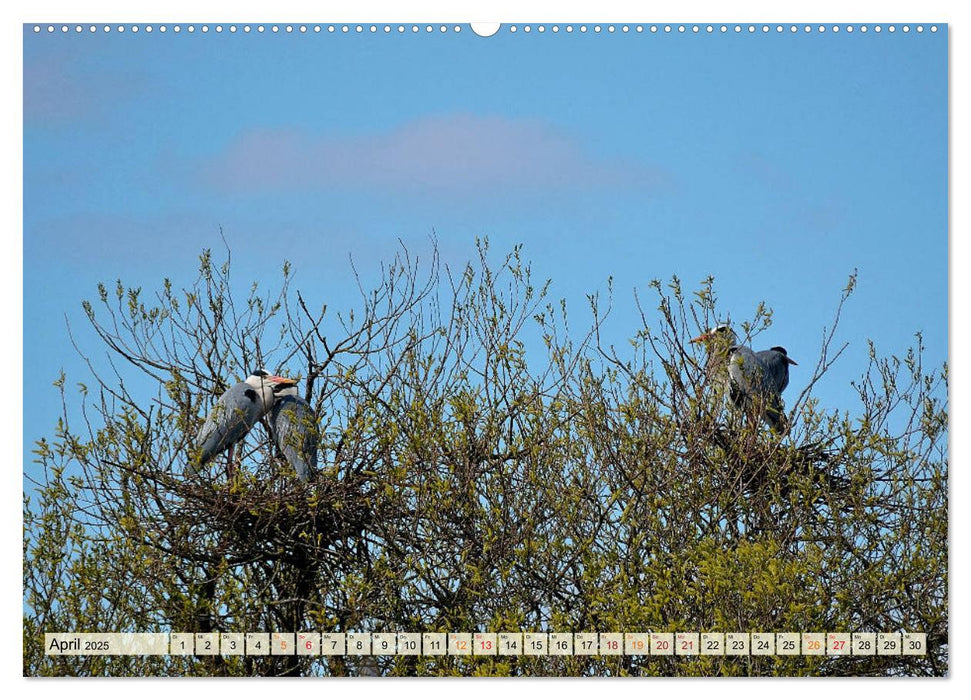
(754, 381)
(291, 420)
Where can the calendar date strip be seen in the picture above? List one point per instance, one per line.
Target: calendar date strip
(482, 644)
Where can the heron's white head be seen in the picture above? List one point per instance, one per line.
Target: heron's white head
(289, 388)
(721, 335)
(267, 385)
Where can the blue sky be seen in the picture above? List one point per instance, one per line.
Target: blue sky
(777, 163)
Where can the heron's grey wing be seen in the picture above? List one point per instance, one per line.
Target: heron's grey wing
(776, 369)
(746, 375)
(295, 432)
(234, 414)
(775, 379)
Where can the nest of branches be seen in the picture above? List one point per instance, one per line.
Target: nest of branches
(756, 464)
(272, 519)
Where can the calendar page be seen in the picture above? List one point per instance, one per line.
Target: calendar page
(541, 349)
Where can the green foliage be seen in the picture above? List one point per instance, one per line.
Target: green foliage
(482, 469)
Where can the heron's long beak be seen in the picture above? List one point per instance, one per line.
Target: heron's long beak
(282, 380)
(791, 361)
(700, 338)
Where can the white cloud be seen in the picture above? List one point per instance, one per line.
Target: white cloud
(459, 155)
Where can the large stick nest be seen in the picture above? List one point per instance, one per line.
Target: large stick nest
(757, 464)
(258, 520)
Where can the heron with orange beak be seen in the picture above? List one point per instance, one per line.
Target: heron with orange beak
(293, 425)
(721, 344)
(234, 415)
(754, 380)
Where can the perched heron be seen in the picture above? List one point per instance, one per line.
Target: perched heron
(775, 378)
(720, 344)
(294, 428)
(754, 381)
(234, 415)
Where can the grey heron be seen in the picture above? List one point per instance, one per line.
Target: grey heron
(720, 344)
(775, 378)
(754, 381)
(294, 427)
(235, 414)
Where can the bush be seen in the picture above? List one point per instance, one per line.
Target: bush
(483, 469)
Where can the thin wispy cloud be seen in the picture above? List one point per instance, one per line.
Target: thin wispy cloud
(51, 94)
(61, 90)
(459, 154)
